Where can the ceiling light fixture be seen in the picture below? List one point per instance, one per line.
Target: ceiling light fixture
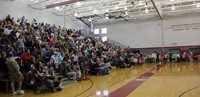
(140, 3)
(107, 10)
(125, 8)
(75, 14)
(116, 7)
(107, 18)
(197, 4)
(95, 11)
(145, 6)
(173, 7)
(57, 7)
(172, 0)
(126, 13)
(106, 14)
(146, 10)
(90, 19)
(36, 1)
(78, 3)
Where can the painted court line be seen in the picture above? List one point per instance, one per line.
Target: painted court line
(131, 86)
(87, 89)
(140, 79)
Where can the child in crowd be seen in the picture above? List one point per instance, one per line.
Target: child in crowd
(84, 68)
(77, 69)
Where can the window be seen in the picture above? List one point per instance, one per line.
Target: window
(96, 31)
(104, 38)
(104, 31)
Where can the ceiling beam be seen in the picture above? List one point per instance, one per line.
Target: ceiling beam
(83, 21)
(62, 3)
(156, 7)
(94, 4)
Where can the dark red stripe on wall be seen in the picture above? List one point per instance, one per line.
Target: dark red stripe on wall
(131, 86)
(188, 46)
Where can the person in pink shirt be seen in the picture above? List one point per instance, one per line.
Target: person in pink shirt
(140, 59)
(53, 41)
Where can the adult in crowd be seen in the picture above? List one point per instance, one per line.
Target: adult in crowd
(3, 65)
(25, 57)
(69, 70)
(15, 74)
(20, 43)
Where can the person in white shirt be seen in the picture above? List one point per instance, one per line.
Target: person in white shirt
(7, 31)
(55, 59)
(75, 57)
(20, 41)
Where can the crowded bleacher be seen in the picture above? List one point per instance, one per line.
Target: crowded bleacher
(51, 50)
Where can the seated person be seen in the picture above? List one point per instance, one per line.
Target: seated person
(77, 69)
(45, 71)
(39, 68)
(69, 71)
(107, 63)
(101, 67)
(34, 69)
(49, 72)
(58, 84)
(56, 61)
(27, 66)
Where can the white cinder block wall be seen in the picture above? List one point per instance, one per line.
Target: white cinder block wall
(148, 33)
(189, 33)
(18, 8)
(135, 34)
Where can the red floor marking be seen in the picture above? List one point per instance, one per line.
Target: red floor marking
(131, 86)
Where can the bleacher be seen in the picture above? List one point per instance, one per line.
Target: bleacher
(42, 40)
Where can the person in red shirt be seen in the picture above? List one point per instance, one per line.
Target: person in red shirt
(53, 41)
(140, 59)
(102, 70)
(25, 57)
(161, 56)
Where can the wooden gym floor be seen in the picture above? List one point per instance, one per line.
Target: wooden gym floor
(170, 80)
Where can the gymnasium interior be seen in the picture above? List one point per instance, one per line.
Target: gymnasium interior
(99, 48)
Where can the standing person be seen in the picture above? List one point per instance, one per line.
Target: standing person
(140, 59)
(14, 73)
(178, 57)
(85, 68)
(3, 65)
(161, 56)
(25, 57)
(20, 41)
